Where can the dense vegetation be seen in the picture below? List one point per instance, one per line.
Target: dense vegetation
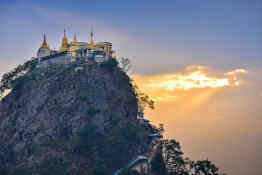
(172, 162)
(11, 79)
(113, 147)
(109, 147)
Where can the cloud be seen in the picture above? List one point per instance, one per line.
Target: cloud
(195, 79)
(172, 86)
(196, 67)
(237, 71)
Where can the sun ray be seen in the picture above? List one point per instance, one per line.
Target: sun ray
(172, 86)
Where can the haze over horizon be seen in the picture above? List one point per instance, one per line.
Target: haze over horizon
(200, 61)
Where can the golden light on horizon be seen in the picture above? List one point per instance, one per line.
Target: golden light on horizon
(173, 86)
(237, 71)
(196, 79)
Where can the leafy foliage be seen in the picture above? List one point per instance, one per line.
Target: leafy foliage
(177, 165)
(20, 171)
(14, 77)
(87, 139)
(130, 172)
(54, 167)
(113, 147)
(125, 64)
(100, 168)
(158, 165)
(92, 111)
(143, 100)
(3, 170)
(118, 146)
(83, 95)
(109, 64)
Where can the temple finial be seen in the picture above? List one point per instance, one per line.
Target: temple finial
(92, 43)
(64, 42)
(75, 40)
(44, 44)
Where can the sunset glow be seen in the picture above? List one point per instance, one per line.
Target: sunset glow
(188, 81)
(237, 71)
(171, 86)
(195, 67)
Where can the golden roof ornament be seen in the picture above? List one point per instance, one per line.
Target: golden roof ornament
(92, 43)
(44, 44)
(74, 42)
(64, 43)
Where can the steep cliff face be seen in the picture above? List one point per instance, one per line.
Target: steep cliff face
(66, 119)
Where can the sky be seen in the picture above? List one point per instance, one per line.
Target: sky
(201, 61)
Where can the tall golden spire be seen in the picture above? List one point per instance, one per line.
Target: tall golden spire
(64, 43)
(74, 42)
(92, 43)
(44, 44)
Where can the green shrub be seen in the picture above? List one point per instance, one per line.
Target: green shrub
(92, 111)
(158, 165)
(3, 170)
(16, 77)
(83, 95)
(130, 172)
(65, 130)
(100, 168)
(118, 147)
(87, 139)
(54, 167)
(109, 64)
(20, 171)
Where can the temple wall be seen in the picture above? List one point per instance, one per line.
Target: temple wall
(63, 59)
(67, 57)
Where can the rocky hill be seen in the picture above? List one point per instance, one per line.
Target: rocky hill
(81, 119)
(76, 119)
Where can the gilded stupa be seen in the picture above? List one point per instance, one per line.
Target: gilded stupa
(64, 45)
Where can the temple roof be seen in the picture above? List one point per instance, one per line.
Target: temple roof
(44, 44)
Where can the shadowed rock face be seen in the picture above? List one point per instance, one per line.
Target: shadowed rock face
(40, 118)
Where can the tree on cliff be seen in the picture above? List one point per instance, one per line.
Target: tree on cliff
(11, 79)
(178, 165)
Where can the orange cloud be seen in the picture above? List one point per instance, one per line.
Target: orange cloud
(196, 79)
(172, 86)
(237, 71)
(195, 67)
